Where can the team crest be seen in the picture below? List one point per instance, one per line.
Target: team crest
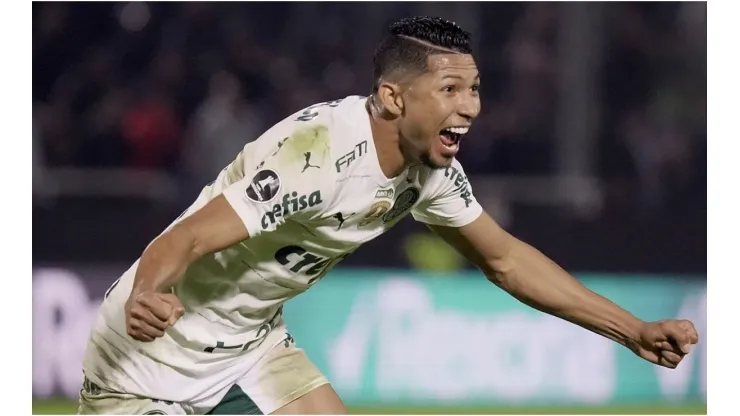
(264, 187)
(377, 209)
(404, 202)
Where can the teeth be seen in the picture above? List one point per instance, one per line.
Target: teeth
(458, 130)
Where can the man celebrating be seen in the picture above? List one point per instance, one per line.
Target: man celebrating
(195, 325)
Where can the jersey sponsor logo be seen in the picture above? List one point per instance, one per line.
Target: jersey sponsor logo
(298, 260)
(311, 112)
(290, 204)
(404, 202)
(386, 193)
(461, 184)
(377, 209)
(356, 153)
(264, 187)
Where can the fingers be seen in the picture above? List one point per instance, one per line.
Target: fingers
(150, 314)
(142, 325)
(670, 358)
(690, 330)
(145, 315)
(679, 336)
(666, 343)
(142, 331)
(162, 310)
(177, 309)
(662, 361)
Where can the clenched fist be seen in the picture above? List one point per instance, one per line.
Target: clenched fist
(666, 342)
(149, 314)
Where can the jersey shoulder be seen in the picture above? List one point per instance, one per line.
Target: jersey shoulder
(435, 182)
(305, 142)
(299, 153)
(447, 197)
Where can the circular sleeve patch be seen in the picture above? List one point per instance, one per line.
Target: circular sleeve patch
(264, 187)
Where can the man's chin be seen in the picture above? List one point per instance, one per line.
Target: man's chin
(437, 161)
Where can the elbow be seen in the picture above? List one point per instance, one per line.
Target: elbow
(501, 272)
(499, 263)
(504, 274)
(182, 240)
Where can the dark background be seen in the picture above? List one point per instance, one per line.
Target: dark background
(591, 144)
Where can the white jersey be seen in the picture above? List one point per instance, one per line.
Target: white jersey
(310, 191)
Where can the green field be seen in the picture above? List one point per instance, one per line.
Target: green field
(66, 407)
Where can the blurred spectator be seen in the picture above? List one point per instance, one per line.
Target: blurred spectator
(151, 130)
(167, 86)
(181, 88)
(103, 135)
(222, 125)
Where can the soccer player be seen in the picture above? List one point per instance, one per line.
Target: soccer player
(195, 325)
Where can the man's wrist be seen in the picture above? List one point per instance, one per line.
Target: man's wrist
(143, 287)
(633, 334)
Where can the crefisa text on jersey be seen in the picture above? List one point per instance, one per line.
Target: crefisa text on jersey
(291, 203)
(461, 182)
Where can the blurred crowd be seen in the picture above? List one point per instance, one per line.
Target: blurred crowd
(183, 86)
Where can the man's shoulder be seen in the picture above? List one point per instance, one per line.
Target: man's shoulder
(340, 108)
(434, 177)
(307, 143)
(332, 115)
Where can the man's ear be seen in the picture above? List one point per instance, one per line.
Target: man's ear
(389, 95)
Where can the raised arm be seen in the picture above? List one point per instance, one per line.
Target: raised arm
(151, 308)
(537, 281)
(214, 227)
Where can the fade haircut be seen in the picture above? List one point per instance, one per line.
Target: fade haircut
(410, 41)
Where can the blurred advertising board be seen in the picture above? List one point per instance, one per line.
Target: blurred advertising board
(406, 338)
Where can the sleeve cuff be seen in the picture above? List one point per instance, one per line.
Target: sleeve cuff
(235, 198)
(471, 214)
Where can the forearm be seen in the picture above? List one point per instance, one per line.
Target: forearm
(165, 260)
(538, 282)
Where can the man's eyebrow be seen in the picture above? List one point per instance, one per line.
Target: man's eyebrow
(477, 76)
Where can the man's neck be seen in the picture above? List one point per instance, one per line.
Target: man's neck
(387, 141)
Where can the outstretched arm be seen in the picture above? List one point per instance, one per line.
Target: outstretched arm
(537, 281)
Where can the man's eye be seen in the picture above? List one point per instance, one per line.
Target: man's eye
(475, 88)
(449, 88)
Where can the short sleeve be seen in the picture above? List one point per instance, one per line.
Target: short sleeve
(285, 174)
(451, 202)
(266, 200)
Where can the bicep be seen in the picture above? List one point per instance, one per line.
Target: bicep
(212, 228)
(483, 242)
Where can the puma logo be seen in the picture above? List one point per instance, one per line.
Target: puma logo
(308, 162)
(339, 217)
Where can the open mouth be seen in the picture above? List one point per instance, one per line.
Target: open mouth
(450, 137)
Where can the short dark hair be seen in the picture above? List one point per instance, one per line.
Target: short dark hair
(410, 41)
